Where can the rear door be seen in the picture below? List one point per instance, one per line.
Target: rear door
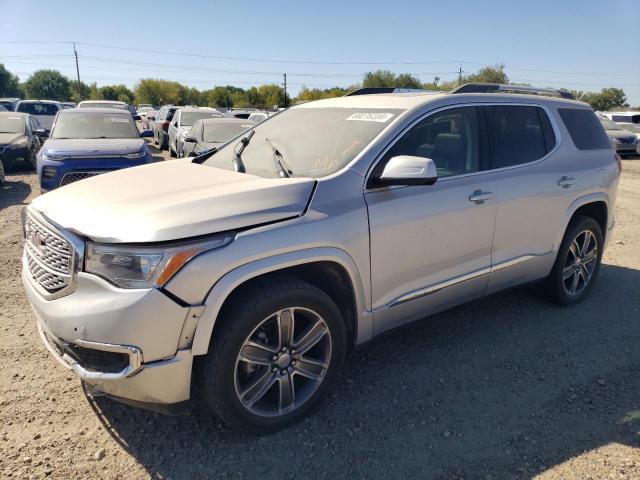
(431, 245)
(533, 192)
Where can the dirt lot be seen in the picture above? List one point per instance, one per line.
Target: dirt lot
(505, 387)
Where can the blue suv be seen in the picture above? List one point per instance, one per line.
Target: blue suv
(87, 142)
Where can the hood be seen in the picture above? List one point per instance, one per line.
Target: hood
(93, 147)
(7, 138)
(170, 201)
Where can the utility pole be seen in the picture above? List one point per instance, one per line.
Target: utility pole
(460, 75)
(77, 71)
(284, 85)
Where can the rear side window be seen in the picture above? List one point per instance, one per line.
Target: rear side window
(585, 129)
(519, 134)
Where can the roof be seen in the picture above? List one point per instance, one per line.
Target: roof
(198, 109)
(103, 101)
(41, 101)
(407, 101)
(74, 111)
(226, 120)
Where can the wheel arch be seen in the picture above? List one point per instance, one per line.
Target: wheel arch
(330, 269)
(595, 206)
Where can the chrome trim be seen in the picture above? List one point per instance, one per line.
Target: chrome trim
(134, 354)
(77, 255)
(548, 111)
(437, 287)
(422, 292)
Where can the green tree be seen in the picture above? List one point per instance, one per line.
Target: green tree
(47, 84)
(488, 75)
(310, 94)
(272, 95)
(219, 97)
(158, 92)
(379, 78)
(74, 92)
(9, 83)
(406, 80)
(606, 99)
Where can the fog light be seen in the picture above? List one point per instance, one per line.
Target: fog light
(49, 172)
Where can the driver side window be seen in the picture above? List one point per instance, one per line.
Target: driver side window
(450, 138)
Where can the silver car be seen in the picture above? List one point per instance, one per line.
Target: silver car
(181, 124)
(250, 271)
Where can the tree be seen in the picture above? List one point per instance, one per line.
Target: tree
(158, 92)
(47, 84)
(219, 97)
(74, 93)
(488, 75)
(406, 80)
(379, 78)
(9, 83)
(607, 99)
(310, 94)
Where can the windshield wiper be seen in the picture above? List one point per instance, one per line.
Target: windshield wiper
(238, 149)
(283, 168)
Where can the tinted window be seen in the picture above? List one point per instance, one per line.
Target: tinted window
(7, 105)
(94, 125)
(450, 138)
(169, 114)
(585, 129)
(626, 118)
(38, 108)
(518, 134)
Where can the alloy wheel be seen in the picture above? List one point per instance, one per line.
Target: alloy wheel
(282, 362)
(580, 263)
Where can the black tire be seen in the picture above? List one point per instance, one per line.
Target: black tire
(31, 160)
(172, 152)
(555, 287)
(216, 372)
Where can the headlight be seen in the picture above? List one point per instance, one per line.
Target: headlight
(144, 267)
(139, 154)
(52, 156)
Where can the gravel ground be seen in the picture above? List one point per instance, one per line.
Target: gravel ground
(505, 387)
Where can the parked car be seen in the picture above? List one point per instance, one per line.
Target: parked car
(237, 113)
(69, 104)
(211, 133)
(624, 141)
(252, 270)
(44, 110)
(145, 105)
(631, 127)
(182, 121)
(160, 125)
(258, 116)
(9, 103)
(21, 136)
(86, 142)
(103, 104)
(623, 117)
(148, 118)
(144, 111)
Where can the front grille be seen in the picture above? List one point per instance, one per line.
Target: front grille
(75, 176)
(49, 257)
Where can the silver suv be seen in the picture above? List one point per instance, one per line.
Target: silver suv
(251, 270)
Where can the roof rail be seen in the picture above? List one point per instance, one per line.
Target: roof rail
(497, 87)
(374, 90)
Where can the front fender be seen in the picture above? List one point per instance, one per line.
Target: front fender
(231, 280)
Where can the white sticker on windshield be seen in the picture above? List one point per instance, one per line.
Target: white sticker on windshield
(371, 117)
(119, 120)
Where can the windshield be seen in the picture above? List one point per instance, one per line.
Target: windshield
(38, 108)
(94, 125)
(314, 142)
(608, 124)
(102, 105)
(222, 132)
(11, 124)
(189, 118)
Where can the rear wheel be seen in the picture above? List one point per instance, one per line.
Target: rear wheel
(274, 356)
(577, 264)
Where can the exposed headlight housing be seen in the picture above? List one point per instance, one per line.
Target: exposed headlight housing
(130, 266)
(139, 154)
(52, 156)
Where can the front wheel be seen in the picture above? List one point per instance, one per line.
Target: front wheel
(278, 349)
(577, 264)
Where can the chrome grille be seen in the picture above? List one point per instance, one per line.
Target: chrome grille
(48, 256)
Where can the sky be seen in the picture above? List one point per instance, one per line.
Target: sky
(576, 44)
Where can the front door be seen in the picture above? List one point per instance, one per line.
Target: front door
(431, 245)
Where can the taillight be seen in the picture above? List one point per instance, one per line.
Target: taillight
(165, 126)
(619, 162)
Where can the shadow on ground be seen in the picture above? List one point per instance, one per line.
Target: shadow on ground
(507, 386)
(14, 191)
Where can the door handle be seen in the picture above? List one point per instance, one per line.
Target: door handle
(566, 182)
(479, 197)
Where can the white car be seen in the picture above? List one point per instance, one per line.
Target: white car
(623, 117)
(182, 121)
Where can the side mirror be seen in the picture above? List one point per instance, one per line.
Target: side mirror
(42, 132)
(190, 139)
(409, 170)
(146, 134)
